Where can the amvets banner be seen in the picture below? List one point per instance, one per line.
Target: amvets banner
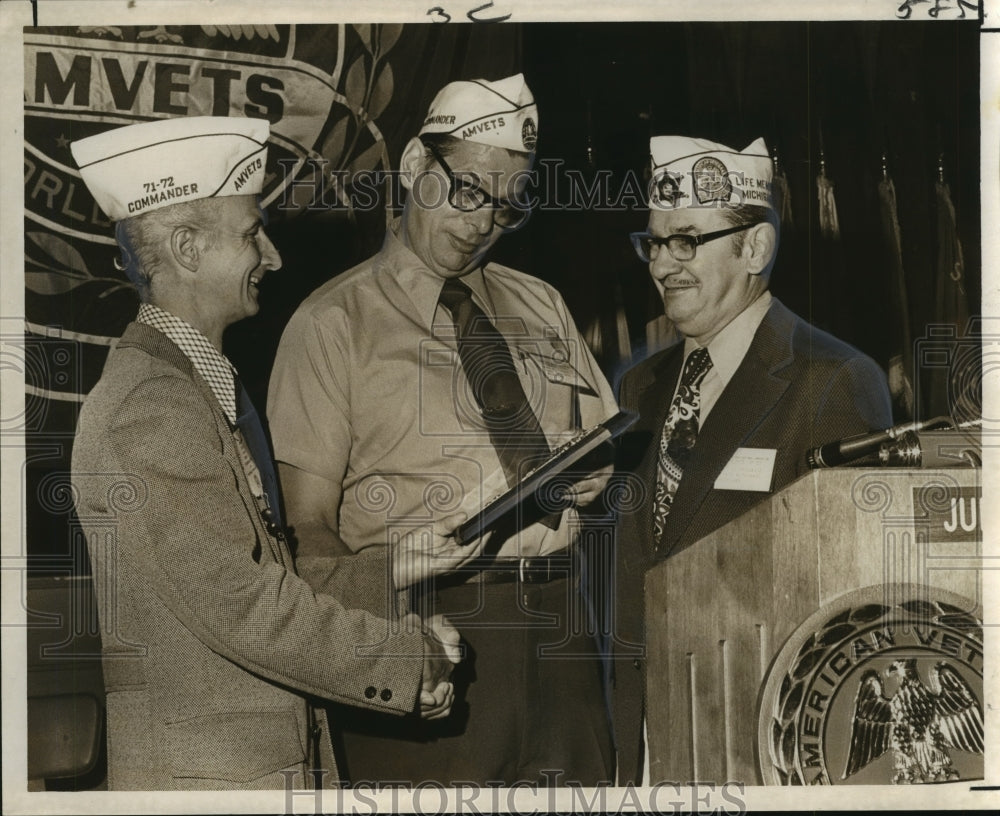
(339, 99)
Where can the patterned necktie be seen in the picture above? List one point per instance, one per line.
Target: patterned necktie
(513, 427)
(679, 434)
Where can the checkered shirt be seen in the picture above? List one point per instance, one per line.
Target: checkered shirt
(208, 361)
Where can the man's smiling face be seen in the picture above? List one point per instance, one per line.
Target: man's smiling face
(701, 295)
(238, 255)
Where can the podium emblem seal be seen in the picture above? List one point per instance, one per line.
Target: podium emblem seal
(883, 685)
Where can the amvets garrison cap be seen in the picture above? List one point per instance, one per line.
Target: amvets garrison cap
(698, 173)
(500, 114)
(139, 168)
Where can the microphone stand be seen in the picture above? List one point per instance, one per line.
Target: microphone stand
(899, 445)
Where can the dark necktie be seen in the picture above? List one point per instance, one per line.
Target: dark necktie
(512, 425)
(256, 441)
(680, 432)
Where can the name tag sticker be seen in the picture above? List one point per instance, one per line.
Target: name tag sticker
(749, 469)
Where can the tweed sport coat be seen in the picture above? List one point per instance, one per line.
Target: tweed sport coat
(212, 644)
(797, 387)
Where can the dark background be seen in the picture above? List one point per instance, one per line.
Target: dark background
(855, 91)
(851, 92)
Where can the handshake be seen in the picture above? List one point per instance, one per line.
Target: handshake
(417, 556)
(442, 651)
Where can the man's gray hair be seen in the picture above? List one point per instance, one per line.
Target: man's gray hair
(140, 238)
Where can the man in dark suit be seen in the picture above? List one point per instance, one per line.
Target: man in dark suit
(213, 645)
(728, 414)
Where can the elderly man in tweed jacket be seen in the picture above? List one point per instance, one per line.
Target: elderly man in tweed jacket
(213, 644)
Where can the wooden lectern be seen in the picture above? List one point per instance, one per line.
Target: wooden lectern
(720, 612)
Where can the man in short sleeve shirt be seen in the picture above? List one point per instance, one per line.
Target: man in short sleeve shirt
(379, 417)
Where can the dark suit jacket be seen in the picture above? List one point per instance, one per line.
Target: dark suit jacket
(797, 387)
(211, 642)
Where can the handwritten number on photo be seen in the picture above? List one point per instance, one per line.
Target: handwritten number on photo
(441, 16)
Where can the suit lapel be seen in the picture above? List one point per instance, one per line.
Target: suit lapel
(733, 419)
(156, 343)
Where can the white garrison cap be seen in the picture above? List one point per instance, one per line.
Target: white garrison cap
(698, 173)
(139, 168)
(500, 114)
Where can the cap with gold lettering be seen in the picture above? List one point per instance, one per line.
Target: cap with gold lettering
(691, 172)
(139, 168)
(501, 113)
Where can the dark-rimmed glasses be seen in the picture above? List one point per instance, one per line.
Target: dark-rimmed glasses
(467, 196)
(680, 245)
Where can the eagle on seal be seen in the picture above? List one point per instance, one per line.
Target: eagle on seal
(918, 723)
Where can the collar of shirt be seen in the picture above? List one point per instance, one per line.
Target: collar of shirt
(207, 360)
(727, 350)
(422, 285)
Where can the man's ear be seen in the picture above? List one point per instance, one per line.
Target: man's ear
(412, 162)
(759, 247)
(186, 248)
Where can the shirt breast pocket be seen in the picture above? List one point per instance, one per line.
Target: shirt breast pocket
(553, 385)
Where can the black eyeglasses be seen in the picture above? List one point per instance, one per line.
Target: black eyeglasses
(466, 195)
(680, 245)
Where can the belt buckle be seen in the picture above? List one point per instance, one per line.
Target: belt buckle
(526, 573)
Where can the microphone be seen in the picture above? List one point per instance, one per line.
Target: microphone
(961, 447)
(847, 450)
